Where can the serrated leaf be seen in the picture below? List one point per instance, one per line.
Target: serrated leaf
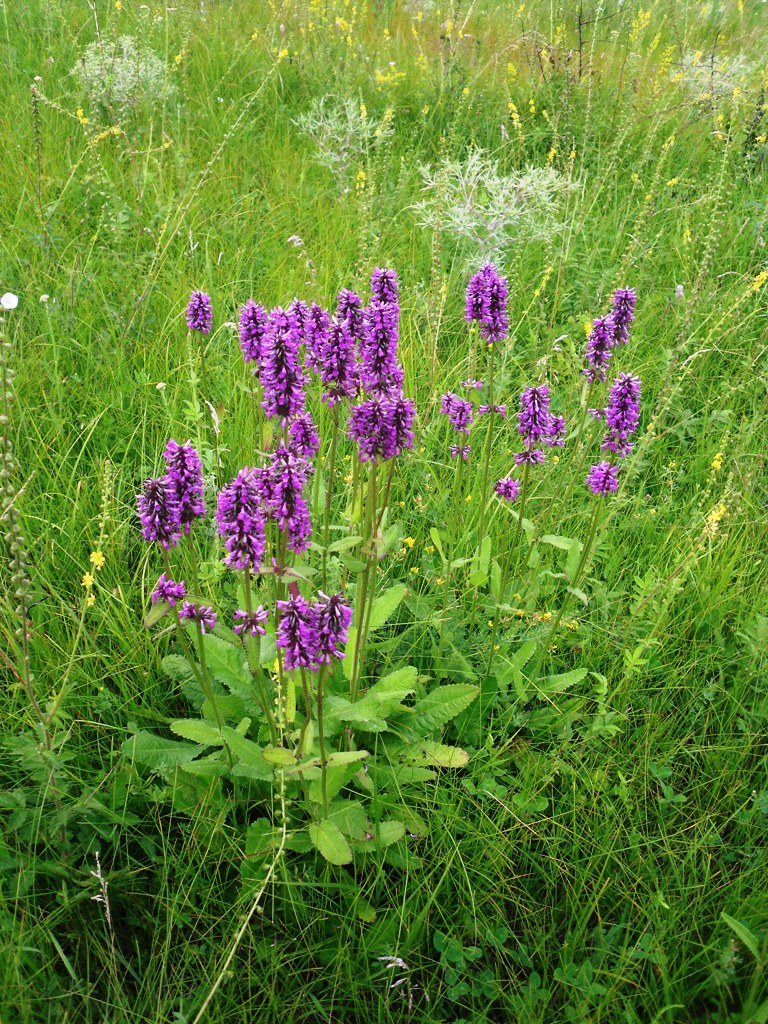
(209, 767)
(351, 819)
(388, 832)
(353, 564)
(339, 757)
(226, 662)
(393, 688)
(328, 840)
(158, 753)
(278, 755)
(560, 683)
(363, 712)
(572, 560)
(198, 732)
(478, 578)
(247, 753)
(336, 778)
(178, 668)
(384, 606)
(267, 649)
(440, 706)
(744, 933)
(230, 705)
(483, 556)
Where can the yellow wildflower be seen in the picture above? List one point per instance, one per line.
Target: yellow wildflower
(760, 280)
(468, 498)
(97, 559)
(415, 570)
(118, 5)
(439, 581)
(410, 541)
(717, 462)
(90, 600)
(88, 580)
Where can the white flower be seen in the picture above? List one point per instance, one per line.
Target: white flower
(44, 297)
(9, 301)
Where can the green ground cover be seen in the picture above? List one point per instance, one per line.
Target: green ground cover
(601, 854)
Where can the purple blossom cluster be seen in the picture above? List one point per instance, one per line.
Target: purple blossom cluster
(240, 520)
(508, 488)
(487, 303)
(168, 505)
(251, 623)
(312, 634)
(458, 410)
(168, 590)
(621, 417)
(608, 332)
(537, 425)
(200, 313)
(253, 327)
(282, 376)
(202, 614)
(282, 486)
(382, 427)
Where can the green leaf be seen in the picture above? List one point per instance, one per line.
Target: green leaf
(393, 688)
(157, 753)
(351, 819)
(327, 838)
(278, 755)
(248, 753)
(440, 706)
(745, 934)
(345, 544)
(267, 649)
(478, 578)
(484, 556)
(437, 542)
(564, 543)
(156, 612)
(339, 757)
(207, 767)
(226, 662)
(336, 778)
(384, 605)
(364, 713)
(438, 755)
(387, 832)
(572, 559)
(198, 732)
(353, 564)
(562, 682)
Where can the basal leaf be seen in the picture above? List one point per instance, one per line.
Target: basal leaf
(439, 707)
(385, 604)
(157, 753)
(328, 839)
(199, 732)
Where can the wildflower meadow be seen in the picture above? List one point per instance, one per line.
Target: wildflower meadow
(383, 425)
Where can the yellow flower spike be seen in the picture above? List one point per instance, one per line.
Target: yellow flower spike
(179, 57)
(760, 280)
(97, 559)
(88, 580)
(588, 327)
(717, 462)
(672, 182)
(546, 616)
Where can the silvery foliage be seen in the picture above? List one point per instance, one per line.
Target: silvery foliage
(342, 132)
(120, 75)
(712, 78)
(475, 202)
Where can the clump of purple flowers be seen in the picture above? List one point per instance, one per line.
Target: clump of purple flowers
(607, 332)
(240, 520)
(200, 313)
(311, 634)
(508, 488)
(282, 377)
(202, 614)
(282, 487)
(603, 478)
(185, 480)
(382, 427)
(253, 326)
(168, 590)
(537, 425)
(621, 415)
(458, 410)
(159, 513)
(252, 623)
(487, 303)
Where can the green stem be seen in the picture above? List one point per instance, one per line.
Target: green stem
(362, 597)
(251, 646)
(321, 736)
(329, 493)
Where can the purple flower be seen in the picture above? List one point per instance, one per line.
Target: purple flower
(336, 363)
(603, 478)
(283, 485)
(332, 619)
(462, 450)
(531, 457)
(534, 420)
(202, 614)
(384, 286)
(483, 410)
(487, 302)
(253, 326)
(185, 479)
(300, 312)
(349, 311)
(159, 513)
(622, 414)
(556, 436)
(253, 623)
(380, 372)
(282, 377)
(458, 410)
(476, 384)
(316, 329)
(507, 488)
(240, 520)
(296, 633)
(623, 314)
(382, 427)
(304, 439)
(200, 313)
(599, 345)
(168, 590)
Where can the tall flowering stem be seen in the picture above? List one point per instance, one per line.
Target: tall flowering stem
(487, 452)
(366, 579)
(200, 323)
(252, 647)
(329, 492)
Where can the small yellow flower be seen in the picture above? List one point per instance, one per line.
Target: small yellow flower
(468, 498)
(717, 462)
(97, 559)
(760, 280)
(90, 600)
(552, 154)
(415, 570)
(531, 105)
(588, 327)
(439, 581)
(573, 625)
(410, 541)
(179, 57)
(490, 623)
(88, 580)
(651, 511)
(672, 182)
(430, 550)
(496, 647)
(520, 613)
(80, 114)
(118, 5)
(546, 616)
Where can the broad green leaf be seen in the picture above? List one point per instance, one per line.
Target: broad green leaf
(198, 732)
(278, 755)
(436, 541)
(440, 706)
(393, 688)
(353, 564)
(528, 527)
(438, 755)
(484, 556)
(336, 778)
(267, 650)
(327, 838)
(157, 753)
(387, 832)
(572, 559)
(345, 544)
(230, 705)
(364, 712)
(348, 661)
(496, 581)
(226, 662)
(351, 819)
(248, 753)
(339, 757)
(478, 578)
(392, 537)
(156, 612)
(385, 604)
(207, 767)
(562, 682)
(564, 543)
(178, 668)
(524, 653)
(745, 934)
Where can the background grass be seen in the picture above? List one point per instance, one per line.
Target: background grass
(566, 875)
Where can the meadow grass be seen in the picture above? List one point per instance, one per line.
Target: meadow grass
(580, 866)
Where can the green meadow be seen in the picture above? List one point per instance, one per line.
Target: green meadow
(532, 784)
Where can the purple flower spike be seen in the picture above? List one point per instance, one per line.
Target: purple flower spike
(380, 372)
(534, 419)
(202, 614)
(623, 314)
(349, 311)
(200, 313)
(530, 457)
(159, 513)
(622, 414)
(603, 478)
(332, 619)
(384, 287)
(282, 377)
(336, 361)
(185, 479)
(599, 345)
(508, 488)
(500, 410)
(462, 450)
(458, 410)
(297, 633)
(168, 590)
(487, 302)
(252, 624)
(316, 335)
(283, 490)
(304, 439)
(382, 427)
(240, 520)
(253, 326)
(556, 436)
